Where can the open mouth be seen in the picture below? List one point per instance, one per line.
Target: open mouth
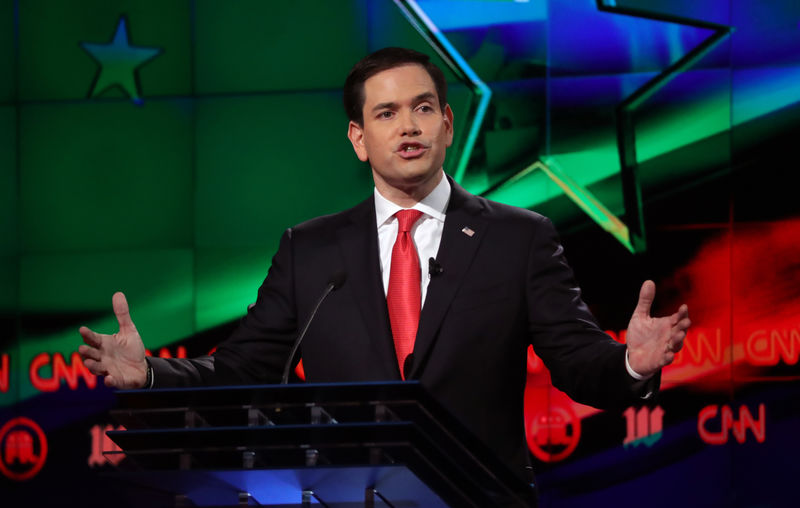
(411, 150)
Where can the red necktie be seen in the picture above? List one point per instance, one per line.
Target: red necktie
(403, 296)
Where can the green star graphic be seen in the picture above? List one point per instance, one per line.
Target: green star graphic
(119, 63)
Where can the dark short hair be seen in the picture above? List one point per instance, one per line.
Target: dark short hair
(382, 60)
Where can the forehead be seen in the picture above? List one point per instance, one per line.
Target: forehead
(398, 84)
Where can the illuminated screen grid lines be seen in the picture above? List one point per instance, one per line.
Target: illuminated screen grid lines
(218, 144)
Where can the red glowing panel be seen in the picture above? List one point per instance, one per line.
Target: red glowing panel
(728, 425)
(552, 426)
(766, 299)
(4, 361)
(743, 291)
(61, 370)
(23, 449)
(101, 446)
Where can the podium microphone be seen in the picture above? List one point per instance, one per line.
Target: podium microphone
(335, 282)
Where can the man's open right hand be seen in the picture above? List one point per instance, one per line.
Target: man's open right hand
(118, 357)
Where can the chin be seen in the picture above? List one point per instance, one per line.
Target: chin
(417, 177)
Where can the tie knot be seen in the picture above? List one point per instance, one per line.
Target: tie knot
(407, 218)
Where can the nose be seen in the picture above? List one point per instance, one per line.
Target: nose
(409, 125)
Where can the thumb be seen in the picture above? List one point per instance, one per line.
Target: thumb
(646, 296)
(121, 311)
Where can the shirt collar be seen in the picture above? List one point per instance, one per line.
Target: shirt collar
(433, 205)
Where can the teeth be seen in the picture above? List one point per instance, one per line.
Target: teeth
(410, 148)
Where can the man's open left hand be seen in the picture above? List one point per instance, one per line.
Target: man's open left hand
(654, 341)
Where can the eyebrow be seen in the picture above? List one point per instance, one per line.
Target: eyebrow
(426, 96)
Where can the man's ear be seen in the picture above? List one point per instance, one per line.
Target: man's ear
(355, 133)
(448, 120)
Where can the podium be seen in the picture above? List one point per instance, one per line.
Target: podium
(388, 444)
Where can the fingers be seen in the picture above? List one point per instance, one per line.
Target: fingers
(683, 313)
(90, 337)
(95, 367)
(681, 324)
(98, 369)
(89, 352)
(676, 341)
(646, 296)
(680, 320)
(120, 304)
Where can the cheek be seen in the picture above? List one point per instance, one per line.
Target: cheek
(374, 144)
(445, 140)
(445, 137)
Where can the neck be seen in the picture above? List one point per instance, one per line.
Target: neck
(407, 196)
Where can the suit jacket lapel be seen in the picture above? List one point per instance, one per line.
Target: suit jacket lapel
(358, 241)
(456, 251)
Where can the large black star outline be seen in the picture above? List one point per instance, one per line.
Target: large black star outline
(626, 125)
(481, 93)
(632, 232)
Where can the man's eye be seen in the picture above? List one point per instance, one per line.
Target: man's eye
(425, 108)
(385, 114)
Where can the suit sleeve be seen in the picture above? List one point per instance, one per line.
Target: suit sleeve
(584, 362)
(257, 350)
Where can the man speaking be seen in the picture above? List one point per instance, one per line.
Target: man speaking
(436, 285)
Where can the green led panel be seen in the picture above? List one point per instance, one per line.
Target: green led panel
(7, 51)
(587, 159)
(8, 211)
(228, 281)
(532, 183)
(53, 65)
(686, 117)
(460, 98)
(8, 254)
(76, 289)
(253, 45)
(158, 284)
(106, 176)
(266, 163)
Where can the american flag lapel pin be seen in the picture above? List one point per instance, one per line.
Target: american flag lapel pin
(467, 231)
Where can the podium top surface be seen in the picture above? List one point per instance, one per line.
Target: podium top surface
(300, 393)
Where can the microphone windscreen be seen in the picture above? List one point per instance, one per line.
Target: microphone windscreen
(337, 280)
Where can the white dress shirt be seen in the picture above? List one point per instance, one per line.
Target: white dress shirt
(426, 233)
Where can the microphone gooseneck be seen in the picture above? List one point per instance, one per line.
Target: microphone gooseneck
(335, 282)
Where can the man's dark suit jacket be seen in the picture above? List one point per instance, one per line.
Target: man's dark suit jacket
(503, 287)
